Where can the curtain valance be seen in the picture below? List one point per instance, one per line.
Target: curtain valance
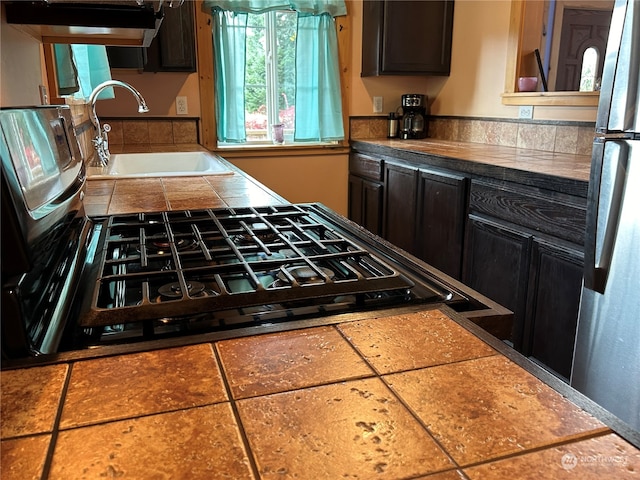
(335, 8)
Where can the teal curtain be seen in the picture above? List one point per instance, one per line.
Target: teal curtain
(318, 99)
(93, 69)
(335, 8)
(229, 35)
(66, 73)
(81, 68)
(318, 93)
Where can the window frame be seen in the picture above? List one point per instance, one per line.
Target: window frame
(207, 124)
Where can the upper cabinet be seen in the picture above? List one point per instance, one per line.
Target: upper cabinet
(172, 50)
(406, 37)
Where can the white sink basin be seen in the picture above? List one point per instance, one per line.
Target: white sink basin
(164, 164)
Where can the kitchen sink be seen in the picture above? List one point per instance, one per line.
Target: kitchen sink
(162, 164)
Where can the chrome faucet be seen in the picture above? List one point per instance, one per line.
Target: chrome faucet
(101, 140)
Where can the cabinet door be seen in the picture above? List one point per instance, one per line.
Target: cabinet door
(372, 206)
(173, 49)
(401, 184)
(407, 37)
(552, 306)
(442, 202)
(355, 199)
(496, 264)
(365, 203)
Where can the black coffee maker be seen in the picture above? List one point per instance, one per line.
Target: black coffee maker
(414, 119)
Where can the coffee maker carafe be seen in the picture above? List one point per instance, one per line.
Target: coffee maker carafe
(414, 122)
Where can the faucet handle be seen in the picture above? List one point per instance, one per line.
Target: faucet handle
(106, 127)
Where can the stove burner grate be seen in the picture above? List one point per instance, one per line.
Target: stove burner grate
(228, 259)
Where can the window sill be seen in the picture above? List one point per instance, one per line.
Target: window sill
(280, 150)
(568, 99)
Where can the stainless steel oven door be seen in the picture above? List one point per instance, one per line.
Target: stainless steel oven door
(42, 218)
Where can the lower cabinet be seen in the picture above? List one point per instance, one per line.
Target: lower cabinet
(536, 276)
(519, 245)
(553, 300)
(442, 204)
(365, 203)
(366, 191)
(538, 279)
(399, 212)
(496, 264)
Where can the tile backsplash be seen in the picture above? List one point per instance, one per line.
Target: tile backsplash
(551, 136)
(134, 131)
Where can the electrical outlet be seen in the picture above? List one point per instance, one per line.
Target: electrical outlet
(44, 96)
(181, 106)
(526, 111)
(377, 104)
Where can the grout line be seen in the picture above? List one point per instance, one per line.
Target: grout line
(561, 442)
(236, 413)
(46, 468)
(401, 401)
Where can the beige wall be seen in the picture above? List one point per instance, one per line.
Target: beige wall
(20, 67)
(478, 65)
(312, 178)
(158, 89)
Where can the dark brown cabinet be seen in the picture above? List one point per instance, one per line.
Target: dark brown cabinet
(523, 250)
(496, 264)
(419, 210)
(406, 37)
(366, 192)
(172, 50)
(555, 281)
(518, 244)
(400, 202)
(442, 203)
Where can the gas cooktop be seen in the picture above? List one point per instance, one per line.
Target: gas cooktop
(162, 274)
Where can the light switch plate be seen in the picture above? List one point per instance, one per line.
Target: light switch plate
(377, 104)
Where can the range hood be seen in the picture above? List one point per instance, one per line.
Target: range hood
(114, 22)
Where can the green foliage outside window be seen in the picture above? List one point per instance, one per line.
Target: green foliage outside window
(259, 47)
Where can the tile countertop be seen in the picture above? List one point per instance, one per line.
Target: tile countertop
(561, 171)
(126, 195)
(392, 396)
(401, 396)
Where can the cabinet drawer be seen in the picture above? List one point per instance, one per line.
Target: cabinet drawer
(365, 166)
(560, 216)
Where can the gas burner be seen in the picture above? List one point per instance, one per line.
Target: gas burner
(259, 231)
(302, 274)
(172, 291)
(162, 246)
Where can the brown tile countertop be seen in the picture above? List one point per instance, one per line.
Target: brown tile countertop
(561, 171)
(127, 195)
(401, 396)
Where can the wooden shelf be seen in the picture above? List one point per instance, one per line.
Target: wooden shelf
(573, 99)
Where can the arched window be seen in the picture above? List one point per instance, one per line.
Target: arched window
(589, 73)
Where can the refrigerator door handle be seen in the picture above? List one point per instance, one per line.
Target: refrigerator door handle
(606, 192)
(620, 92)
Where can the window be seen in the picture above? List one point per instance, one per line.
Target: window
(274, 65)
(270, 75)
(588, 82)
(80, 68)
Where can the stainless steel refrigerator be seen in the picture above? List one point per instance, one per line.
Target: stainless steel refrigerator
(606, 362)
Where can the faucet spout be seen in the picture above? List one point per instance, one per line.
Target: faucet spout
(100, 141)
